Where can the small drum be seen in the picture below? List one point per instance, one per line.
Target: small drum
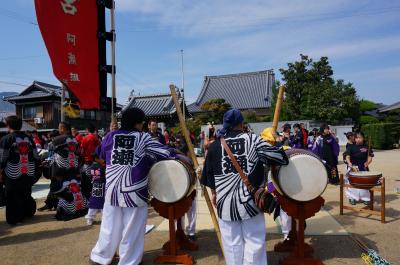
(171, 180)
(364, 179)
(304, 178)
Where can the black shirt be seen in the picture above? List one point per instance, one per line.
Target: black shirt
(359, 154)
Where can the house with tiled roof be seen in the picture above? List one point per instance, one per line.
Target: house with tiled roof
(40, 105)
(159, 107)
(389, 108)
(244, 91)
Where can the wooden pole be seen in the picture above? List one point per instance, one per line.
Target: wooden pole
(278, 107)
(383, 201)
(341, 193)
(195, 162)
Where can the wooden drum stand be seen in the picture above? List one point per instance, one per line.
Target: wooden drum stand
(302, 254)
(178, 241)
(380, 187)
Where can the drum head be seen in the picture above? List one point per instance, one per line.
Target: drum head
(304, 178)
(365, 174)
(169, 181)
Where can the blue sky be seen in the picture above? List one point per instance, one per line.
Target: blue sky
(361, 39)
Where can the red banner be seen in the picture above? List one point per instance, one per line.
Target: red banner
(69, 30)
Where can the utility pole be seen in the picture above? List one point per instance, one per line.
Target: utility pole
(183, 85)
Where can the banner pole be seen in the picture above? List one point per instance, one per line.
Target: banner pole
(62, 102)
(113, 88)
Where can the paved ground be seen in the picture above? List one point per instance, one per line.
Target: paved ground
(42, 240)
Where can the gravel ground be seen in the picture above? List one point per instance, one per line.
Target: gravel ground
(43, 240)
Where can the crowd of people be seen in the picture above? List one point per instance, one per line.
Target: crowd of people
(91, 174)
(64, 156)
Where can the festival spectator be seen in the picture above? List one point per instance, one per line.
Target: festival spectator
(327, 148)
(77, 135)
(153, 131)
(297, 139)
(88, 147)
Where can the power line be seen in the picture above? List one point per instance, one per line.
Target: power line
(135, 79)
(21, 57)
(12, 83)
(272, 21)
(16, 16)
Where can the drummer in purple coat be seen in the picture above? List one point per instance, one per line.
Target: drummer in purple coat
(96, 173)
(129, 154)
(326, 147)
(360, 156)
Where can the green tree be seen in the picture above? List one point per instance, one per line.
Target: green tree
(249, 116)
(214, 110)
(367, 105)
(312, 92)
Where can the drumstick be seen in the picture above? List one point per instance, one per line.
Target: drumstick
(195, 162)
(278, 107)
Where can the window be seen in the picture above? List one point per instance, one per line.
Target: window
(90, 114)
(32, 111)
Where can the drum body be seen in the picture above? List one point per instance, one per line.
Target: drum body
(304, 178)
(171, 180)
(364, 179)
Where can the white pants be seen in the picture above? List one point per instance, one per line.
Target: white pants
(286, 222)
(191, 217)
(356, 194)
(244, 241)
(124, 227)
(92, 213)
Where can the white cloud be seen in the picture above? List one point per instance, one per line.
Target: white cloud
(358, 47)
(224, 16)
(386, 73)
(230, 35)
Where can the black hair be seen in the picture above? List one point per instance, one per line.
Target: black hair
(150, 121)
(131, 117)
(311, 133)
(296, 125)
(66, 125)
(348, 135)
(361, 134)
(286, 127)
(91, 128)
(53, 134)
(14, 122)
(211, 133)
(323, 127)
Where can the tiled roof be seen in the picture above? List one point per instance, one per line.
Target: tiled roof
(243, 90)
(37, 90)
(153, 105)
(390, 107)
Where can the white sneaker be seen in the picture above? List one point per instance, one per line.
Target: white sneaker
(89, 221)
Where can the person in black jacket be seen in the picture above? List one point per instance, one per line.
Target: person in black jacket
(19, 164)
